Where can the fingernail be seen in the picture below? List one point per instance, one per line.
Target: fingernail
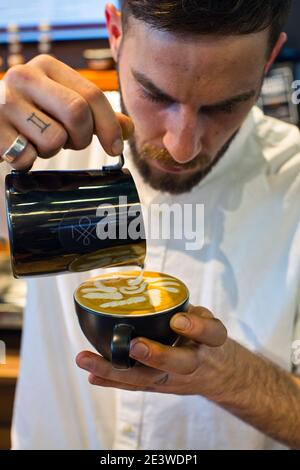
(85, 363)
(118, 146)
(181, 322)
(139, 350)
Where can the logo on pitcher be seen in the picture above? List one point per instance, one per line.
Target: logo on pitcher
(84, 232)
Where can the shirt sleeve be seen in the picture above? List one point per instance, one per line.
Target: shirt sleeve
(4, 170)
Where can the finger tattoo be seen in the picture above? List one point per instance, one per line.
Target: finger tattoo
(163, 380)
(38, 122)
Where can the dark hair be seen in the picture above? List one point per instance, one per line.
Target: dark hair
(212, 17)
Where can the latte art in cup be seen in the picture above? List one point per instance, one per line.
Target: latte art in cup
(114, 308)
(131, 293)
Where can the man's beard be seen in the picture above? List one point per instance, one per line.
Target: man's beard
(174, 183)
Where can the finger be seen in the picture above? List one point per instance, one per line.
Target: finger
(44, 132)
(199, 325)
(205, 313)
(24, 160)
(138, 377)
(103, 369)
(177, 360)
(126, 124)
(154, 388)
(101, 382)
(107, 126)
(63, 104)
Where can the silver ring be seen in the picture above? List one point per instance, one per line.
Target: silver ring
(15, 149)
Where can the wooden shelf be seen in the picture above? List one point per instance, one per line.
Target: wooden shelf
(106, 80)
(9, 372)
(4, 438)
(8, 378)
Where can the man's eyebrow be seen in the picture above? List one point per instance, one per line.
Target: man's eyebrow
(152, 88)
(246, 96)
(146, 83)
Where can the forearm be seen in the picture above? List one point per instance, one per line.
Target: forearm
(262, 395)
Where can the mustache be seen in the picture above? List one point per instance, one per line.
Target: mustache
(150, 152)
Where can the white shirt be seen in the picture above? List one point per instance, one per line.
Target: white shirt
(247, 274)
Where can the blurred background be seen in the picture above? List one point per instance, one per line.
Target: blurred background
(75, 33)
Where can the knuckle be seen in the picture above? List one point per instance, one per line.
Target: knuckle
(53, 145)
(93, 94)
(11, 99)
(93, 368)
(77, 111)
(83, 142)
(42, 60)
(190, 368)
(205, 313)
(157, 357)
(199, 326)
(47, 152)
(17, 75)
(222, 329)
(95, 380)
(59, 137)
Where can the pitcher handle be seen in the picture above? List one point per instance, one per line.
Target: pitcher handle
(117, 167)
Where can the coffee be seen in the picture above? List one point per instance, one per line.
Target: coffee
(115, 308)
(131, 293)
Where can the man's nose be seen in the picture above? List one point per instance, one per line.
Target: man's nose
(183, 135)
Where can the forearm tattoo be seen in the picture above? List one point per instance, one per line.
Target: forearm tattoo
(38, 122)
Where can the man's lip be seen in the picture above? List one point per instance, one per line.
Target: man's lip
(169, 169)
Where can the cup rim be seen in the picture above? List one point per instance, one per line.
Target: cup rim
(124, 316)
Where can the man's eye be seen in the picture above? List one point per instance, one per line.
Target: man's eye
(226, 109)
(154, 98)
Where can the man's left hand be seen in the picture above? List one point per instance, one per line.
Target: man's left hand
(196, 365)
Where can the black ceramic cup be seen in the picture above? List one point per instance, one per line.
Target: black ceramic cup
(58, 220)
(111, 334)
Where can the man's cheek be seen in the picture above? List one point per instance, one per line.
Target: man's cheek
(146, 134)
(221, 130)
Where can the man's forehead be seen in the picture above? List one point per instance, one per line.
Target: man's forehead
(235, 62)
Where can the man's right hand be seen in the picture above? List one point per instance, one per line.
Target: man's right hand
(54, 107)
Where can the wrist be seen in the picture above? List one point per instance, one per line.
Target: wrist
(224, 378)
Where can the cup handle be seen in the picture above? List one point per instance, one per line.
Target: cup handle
(120, 346)
(116, 167)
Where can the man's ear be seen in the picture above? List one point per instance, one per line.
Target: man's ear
(276, 50)
(114, 27)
